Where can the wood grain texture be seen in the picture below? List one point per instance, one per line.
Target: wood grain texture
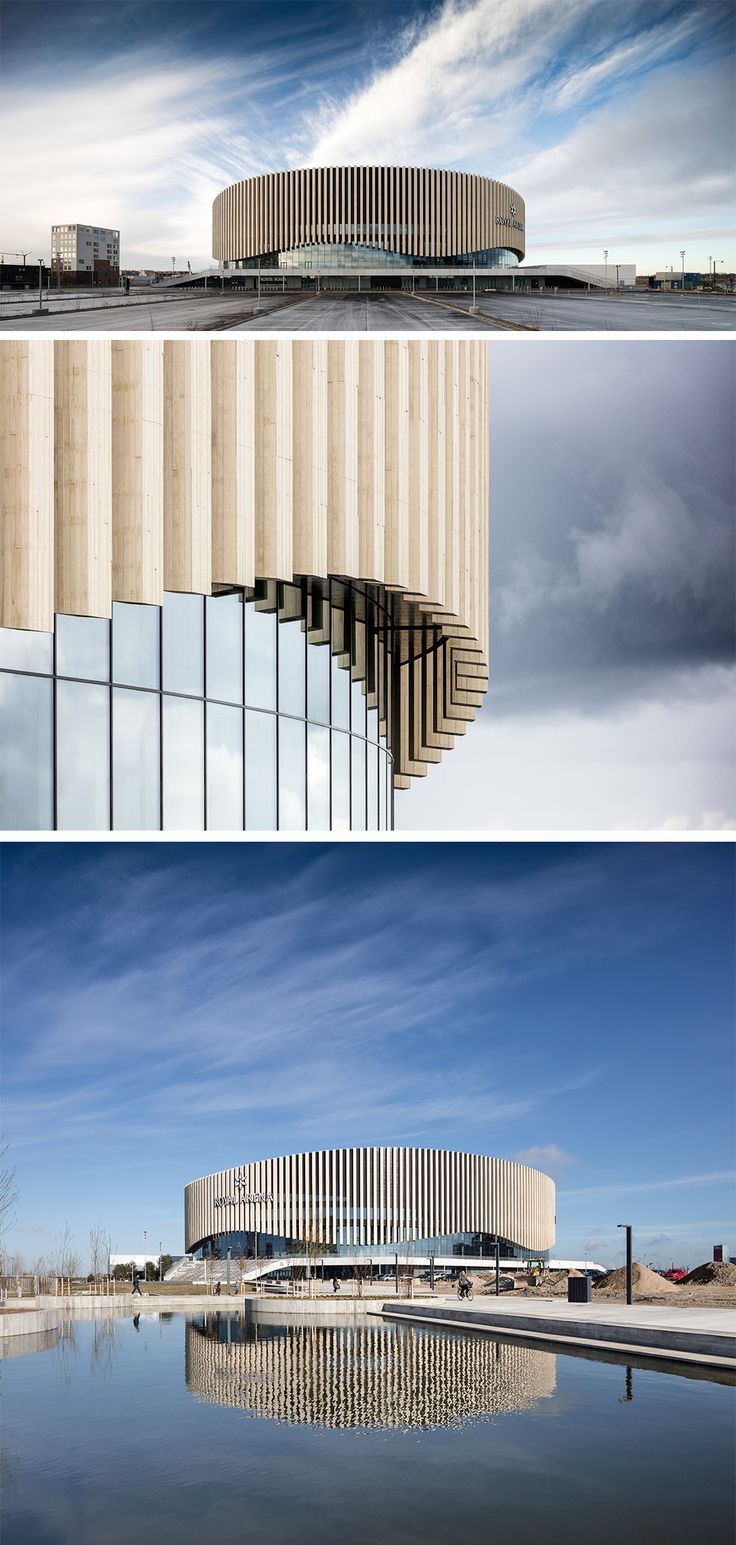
(137, 466)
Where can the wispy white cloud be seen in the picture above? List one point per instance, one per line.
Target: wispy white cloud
(573, 102)
(265, 983)
(626, 1188)
(548, 1157)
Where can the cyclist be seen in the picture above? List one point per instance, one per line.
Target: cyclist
(464, 1285)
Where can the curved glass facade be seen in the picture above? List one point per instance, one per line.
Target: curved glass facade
(251, 1246)
(358, 255)
(252, 710)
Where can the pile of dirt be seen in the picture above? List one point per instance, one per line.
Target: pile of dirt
(647, 1284)
(713, 1273)
(555, 1286)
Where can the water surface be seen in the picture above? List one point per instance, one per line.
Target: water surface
(213, 1428)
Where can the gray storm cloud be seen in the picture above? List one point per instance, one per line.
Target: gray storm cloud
(612, 518)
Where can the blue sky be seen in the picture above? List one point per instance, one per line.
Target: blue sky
(612, 119)
(171, 1009)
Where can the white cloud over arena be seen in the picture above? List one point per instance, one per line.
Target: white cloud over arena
(609, 119)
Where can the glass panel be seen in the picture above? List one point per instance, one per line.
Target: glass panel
(135, 644)
(340, 696)
(135, 761)
(183, 765)
(318, 683)
(372, 724)
(183, 644)
(82, 757)
(382, 764)
(291, 668)
(340, 783)
(318, 775)
(357, 762)
(26, 800)
(357, 708)
(225, 647)
(372, 787)
(260, 772)
(83, 647)
(224, 768)
(25, 651)
(292, 776)
(389, 794)
(260, 658)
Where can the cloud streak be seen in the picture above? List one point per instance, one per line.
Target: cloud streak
(543, 93)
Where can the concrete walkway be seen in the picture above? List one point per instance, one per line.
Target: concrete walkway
(687, 1335)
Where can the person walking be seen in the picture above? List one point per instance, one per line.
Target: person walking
(335, 1284)
(136, 1282)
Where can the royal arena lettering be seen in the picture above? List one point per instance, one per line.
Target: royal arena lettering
(248, 1197)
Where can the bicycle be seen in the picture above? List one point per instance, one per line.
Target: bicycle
(465, 1294)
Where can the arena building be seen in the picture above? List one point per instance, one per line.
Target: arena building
(347, 1204)
(369, 217)
(243, 584)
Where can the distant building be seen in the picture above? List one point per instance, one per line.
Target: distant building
(85, 254)
(135, 1258)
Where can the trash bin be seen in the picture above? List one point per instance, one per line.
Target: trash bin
(579, 1290)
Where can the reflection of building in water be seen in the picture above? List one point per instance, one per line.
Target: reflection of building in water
(361, 1375)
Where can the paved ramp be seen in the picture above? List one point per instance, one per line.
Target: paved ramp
(687, 1335)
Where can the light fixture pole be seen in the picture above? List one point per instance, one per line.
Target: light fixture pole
(160, 1277)
(605, 254)
(145, 1247)
(682, 256)
(40, 285)
(629, 1272)
(498, 1268)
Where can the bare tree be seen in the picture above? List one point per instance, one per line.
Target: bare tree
(362, 1272)
(8, 1189)
(100, 1245)
(311, 1246)
(66, 1260)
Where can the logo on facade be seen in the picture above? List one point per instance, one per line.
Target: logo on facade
(512, 209)
(244, 1196)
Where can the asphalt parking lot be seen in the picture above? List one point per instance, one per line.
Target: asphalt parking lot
(575, 311)
(178, 311)
(372, 313)
(536, 311)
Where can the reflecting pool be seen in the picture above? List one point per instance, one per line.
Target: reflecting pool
(222, 1428)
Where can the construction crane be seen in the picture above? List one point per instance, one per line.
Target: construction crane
(24, 255)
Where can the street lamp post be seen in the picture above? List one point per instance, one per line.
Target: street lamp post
(229, 1258)
(498, 1268)
(629, 1273)
(160, 1257)
(682, 257)
(40, 285)
(605, 255)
